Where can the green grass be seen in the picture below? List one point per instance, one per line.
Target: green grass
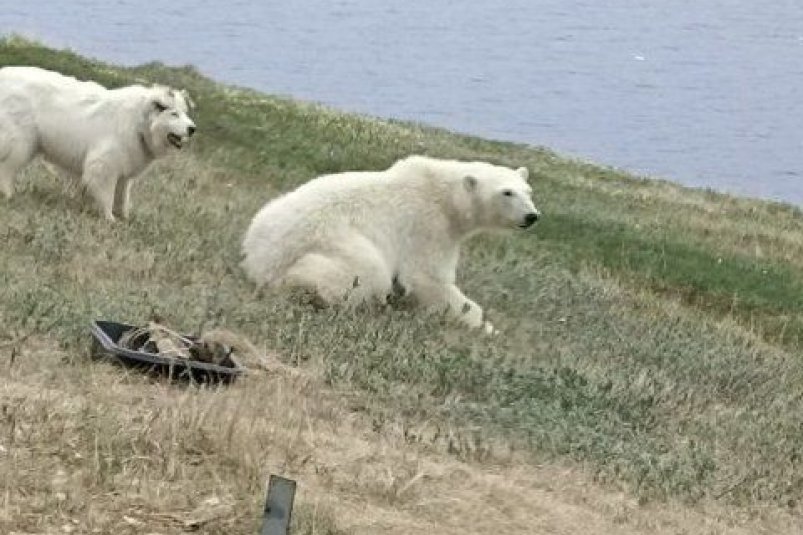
(651, 333)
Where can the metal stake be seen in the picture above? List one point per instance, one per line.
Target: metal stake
(278, 506)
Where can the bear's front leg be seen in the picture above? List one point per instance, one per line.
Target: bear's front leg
(122, 198)
(467, 311)
(101, 186)
(438, 296)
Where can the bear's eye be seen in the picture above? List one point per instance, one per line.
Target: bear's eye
(507, 193)
(159, 107)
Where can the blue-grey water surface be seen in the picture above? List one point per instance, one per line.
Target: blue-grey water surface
(703, 93)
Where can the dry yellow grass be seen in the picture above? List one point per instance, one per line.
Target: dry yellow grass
(92, 448)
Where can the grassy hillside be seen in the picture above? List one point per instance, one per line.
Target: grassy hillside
(652, 335)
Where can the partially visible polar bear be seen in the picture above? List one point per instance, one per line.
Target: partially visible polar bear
(105, 136)
(357, 236)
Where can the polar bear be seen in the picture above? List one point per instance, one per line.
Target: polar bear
(360, 236)
(105, 136)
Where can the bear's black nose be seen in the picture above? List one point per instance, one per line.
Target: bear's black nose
(190, 130)
(531, 218)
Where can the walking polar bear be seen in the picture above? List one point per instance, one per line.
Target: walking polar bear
(360, 236)
(105, 136)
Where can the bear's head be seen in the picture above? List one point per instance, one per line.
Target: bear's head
(500, 197)
(168, 124)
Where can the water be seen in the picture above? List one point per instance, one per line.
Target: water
(703, 93)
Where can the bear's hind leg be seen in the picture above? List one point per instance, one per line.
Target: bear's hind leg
(352, 275)
(369, 276)
(327, 277)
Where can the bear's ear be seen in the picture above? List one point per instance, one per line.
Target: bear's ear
(470, 183)
(187, 99)
(525, 174)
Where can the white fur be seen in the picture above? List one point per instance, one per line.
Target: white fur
(105, 136)
(355, 236)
